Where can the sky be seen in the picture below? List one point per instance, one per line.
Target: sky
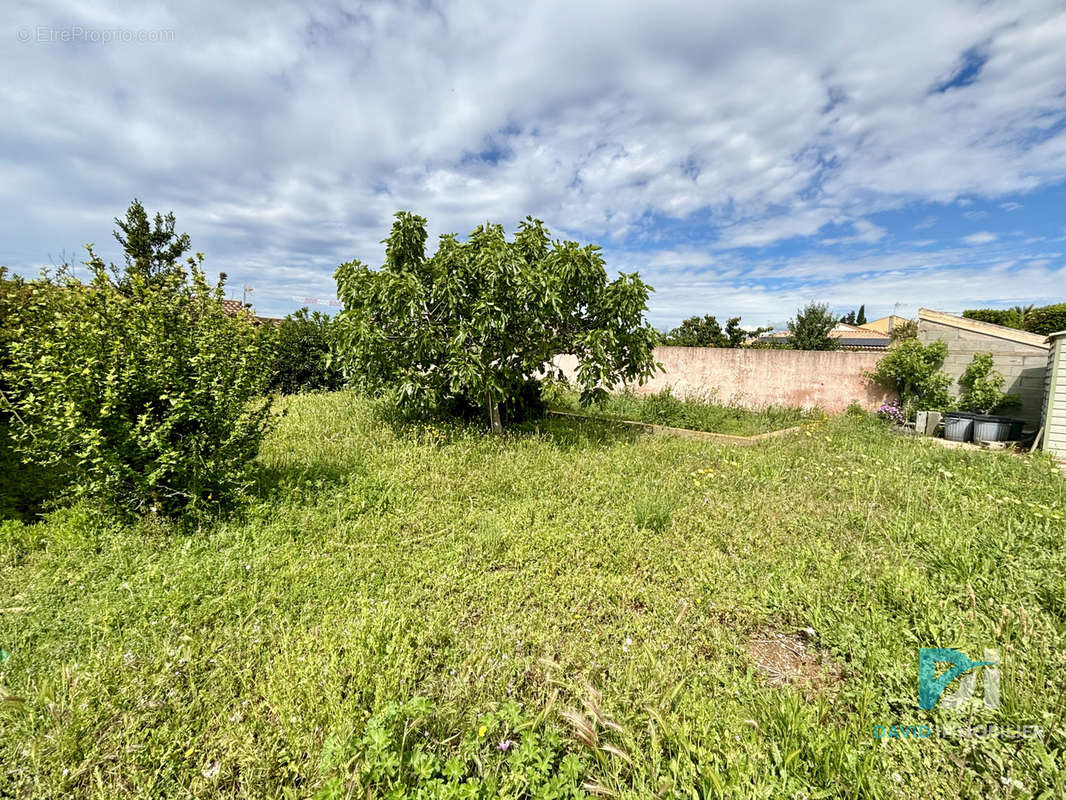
(745, 158)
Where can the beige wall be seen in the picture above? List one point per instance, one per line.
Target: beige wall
(885, 324)
(830, 380)
(1023, 365)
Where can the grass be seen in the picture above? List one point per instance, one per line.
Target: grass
(697, 414)
(430, 611)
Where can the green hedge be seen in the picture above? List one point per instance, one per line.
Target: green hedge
(997, 316)
(1043, 320)
(1047, 320)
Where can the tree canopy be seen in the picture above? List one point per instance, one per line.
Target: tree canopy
(478, 319)
(810, 329)
(707, 332)
(151, 248)
(855, 317)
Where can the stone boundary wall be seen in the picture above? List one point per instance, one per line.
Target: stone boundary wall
(830, 380)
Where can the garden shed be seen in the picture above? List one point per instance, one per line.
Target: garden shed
(1055, 409)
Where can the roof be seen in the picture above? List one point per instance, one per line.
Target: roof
(1057, 334)
(865, 344)
(987, 328)
(843, 330)
(848, 335)
(232, 308)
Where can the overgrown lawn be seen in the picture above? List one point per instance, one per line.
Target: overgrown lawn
(428, 610)
(699, 414)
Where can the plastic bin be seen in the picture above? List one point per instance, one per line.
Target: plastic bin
(991, 428)
(1016, 426)
(958, 427)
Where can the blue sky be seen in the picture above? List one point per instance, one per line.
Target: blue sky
(745, 158)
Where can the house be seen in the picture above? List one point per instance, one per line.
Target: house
(231, 308)
(885, 324)
(858, 336)
(851, 337)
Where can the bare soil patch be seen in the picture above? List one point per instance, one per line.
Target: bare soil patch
(792, 659)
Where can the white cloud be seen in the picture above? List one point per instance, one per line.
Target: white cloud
(865, 233)
(982, 237)
(285, 135)
(767, 291)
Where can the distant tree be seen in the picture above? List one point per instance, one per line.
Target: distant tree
(997, 316)
(810, 329)
(771, 343)
(735, 334)
(698, 332)
(151, 251)
(855, 317)
(1043, 320)
(707, 332)
(477, 321)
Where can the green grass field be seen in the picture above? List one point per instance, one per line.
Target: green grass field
(426, 611)
(696, 414)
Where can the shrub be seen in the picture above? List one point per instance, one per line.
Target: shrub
(982, 387)
(855, 410)
(140, 387)
(913, 370)
(25, 488)
(300, 354)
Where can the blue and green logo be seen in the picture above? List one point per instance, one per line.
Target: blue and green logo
(931, 687)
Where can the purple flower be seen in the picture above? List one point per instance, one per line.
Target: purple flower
(891, 411)
(504, 746)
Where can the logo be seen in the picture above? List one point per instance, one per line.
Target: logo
(931, 687)
(932, 693)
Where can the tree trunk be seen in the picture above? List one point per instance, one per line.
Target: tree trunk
(494, 414)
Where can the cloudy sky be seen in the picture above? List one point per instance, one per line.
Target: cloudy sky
(744, 159)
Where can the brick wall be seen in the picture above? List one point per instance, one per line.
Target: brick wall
(1023, 363)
